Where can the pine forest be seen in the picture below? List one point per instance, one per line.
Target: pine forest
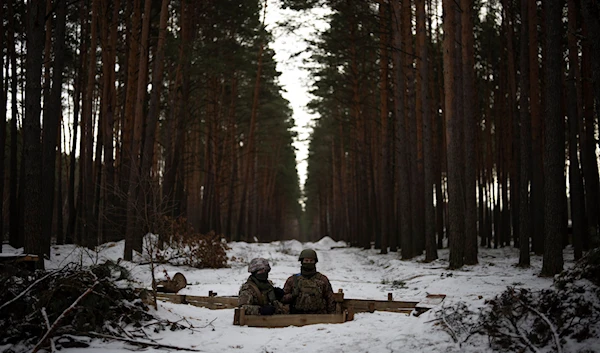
(441, 123)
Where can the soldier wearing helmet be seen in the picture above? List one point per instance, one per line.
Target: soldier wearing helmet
(309, 292)
(258, 296)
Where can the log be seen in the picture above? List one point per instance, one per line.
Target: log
(172, 285)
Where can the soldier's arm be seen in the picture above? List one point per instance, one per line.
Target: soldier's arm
(288, 290)
(328, 294)
(247, 300)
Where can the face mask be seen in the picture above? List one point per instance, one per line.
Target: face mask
(262, 276)
(309, 267)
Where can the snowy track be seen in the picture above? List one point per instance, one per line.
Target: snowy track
(360, 273)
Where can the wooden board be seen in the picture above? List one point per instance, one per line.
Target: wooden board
(211, 302)
(368, 305)
(22, 260)
(273, 321)
(344, 305)
(431, 301)
(13, 258)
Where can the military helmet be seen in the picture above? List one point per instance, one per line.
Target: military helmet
(258, 264)
(308, 253)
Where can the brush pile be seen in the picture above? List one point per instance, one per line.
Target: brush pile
(64, 308)
(564, 318)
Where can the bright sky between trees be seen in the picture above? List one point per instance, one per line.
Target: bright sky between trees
(291, 50)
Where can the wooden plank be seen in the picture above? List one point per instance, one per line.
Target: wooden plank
(367, 305)
(357, 305)
(200, 301)
(429, 302)
(221, 302)
(290, 320)
(13, 258)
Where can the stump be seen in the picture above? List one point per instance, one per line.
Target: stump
(172, 285)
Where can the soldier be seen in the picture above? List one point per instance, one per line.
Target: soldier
(308, 292)
(258, 296)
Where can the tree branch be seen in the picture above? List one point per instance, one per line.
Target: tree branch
(61, 316)
(52, 345)
(550, 325)
(26, 290)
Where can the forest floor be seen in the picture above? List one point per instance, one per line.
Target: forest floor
(453, 326)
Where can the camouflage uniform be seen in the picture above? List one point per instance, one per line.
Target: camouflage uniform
(309, 294)
(251, 298)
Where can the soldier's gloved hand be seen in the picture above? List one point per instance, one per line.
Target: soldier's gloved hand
(278, 293)
(266, 310)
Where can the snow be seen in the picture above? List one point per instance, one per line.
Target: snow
(361, 274)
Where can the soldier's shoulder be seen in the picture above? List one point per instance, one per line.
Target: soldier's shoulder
(291, 278)
(246, 286)
(322, 277)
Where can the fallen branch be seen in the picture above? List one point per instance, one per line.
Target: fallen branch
(138, 343)
(452, 332)
(47, 321)
(26, 290)
(521, 336)
(61, 316)
(550, 325)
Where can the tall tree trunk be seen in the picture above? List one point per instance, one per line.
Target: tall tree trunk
(403, 196)
(52, 115)
(525, 141)
(512, 128)
(109, 105)
(537, 170)
(554, 152)
(423, 98)
(15, 237)
(3, 108)
(591, 15)
(470, 131)
(133, 240)
(153, 114)
(127, 125)
(386, 189)
(249, 160)
(89, 234)
(455, 191)
(60, 228)
(574, 112)
(32, 150)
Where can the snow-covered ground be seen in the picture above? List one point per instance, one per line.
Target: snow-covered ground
(363, 274)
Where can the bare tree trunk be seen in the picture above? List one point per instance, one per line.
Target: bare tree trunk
(537, 177)
(513, 155)
(60, 228)
(52, 115)
(576, 189)
(73, 209)
(127, 125)
(386, 189)
(15, 237)
(3, 108)
(109, 30)
(89, 234)
(470, 131)
(403, 196)
(554, 152)
(153, 111)
(133, 240)
(249, 160)
(455, 191)
(32, 147)
(424, 102)
(525, 141)
(591, 16)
